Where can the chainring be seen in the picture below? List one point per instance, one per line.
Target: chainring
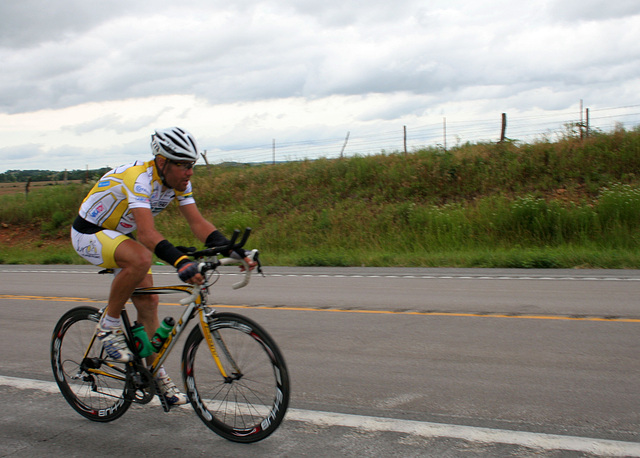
(140, 384)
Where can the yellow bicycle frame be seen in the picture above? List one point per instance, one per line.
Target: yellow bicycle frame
(177, 330)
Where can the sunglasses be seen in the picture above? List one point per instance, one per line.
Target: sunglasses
(183, 165)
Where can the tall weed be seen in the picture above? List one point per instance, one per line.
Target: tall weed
(569, 203)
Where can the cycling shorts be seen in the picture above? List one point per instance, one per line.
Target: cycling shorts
(99, 248)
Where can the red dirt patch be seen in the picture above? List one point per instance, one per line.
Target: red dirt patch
(11, 235)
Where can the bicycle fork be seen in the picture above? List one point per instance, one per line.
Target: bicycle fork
(215, 343)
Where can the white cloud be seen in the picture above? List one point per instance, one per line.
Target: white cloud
(592, 10)
(97, 78)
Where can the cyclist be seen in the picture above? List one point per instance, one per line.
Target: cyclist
(126, 199)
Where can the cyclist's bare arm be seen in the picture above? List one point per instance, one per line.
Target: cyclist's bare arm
(147, 233)
(200, 227)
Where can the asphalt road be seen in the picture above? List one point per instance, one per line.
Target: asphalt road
(417, 362)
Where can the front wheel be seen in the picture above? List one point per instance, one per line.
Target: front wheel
(95, 386)
(246, 398)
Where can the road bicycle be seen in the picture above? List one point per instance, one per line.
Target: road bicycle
(233, 372)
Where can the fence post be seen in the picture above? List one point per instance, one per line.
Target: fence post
(587, 121)
(345, 144)
(581, 122)
(274, 151)
(444, 133)
(405, 140)
(503, 131)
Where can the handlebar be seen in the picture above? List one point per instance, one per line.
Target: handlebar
(235, 255)
(214, 251)
(253, 255)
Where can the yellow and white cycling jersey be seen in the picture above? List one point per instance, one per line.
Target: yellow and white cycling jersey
(135, 185)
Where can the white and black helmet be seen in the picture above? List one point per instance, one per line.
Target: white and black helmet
(174, 143)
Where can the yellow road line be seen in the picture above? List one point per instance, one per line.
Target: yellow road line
(454, 314)
(49, 298)
(376, 312)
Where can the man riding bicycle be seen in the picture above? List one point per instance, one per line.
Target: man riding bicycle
(124, 200)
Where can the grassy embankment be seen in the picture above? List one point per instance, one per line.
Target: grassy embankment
(571, 203)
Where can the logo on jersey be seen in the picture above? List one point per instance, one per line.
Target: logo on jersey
(99, 209)
(104, 184)
(141, 189)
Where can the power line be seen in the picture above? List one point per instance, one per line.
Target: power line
(525, 129)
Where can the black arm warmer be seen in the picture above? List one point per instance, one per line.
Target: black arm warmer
(168, 253)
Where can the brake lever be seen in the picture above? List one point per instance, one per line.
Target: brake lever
(256, 259)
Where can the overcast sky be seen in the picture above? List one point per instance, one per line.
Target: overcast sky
(85, 82)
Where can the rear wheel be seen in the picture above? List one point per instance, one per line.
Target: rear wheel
(250, 402)
(94, 385)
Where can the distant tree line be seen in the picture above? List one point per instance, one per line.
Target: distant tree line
(13, 176)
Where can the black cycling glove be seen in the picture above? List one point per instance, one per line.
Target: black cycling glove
(216, 239)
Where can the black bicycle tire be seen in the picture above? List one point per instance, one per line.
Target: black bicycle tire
(66, 322)
(268, 423)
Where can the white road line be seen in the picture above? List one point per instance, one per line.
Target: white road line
(470, 433)
(356, 276)
(539, 441)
